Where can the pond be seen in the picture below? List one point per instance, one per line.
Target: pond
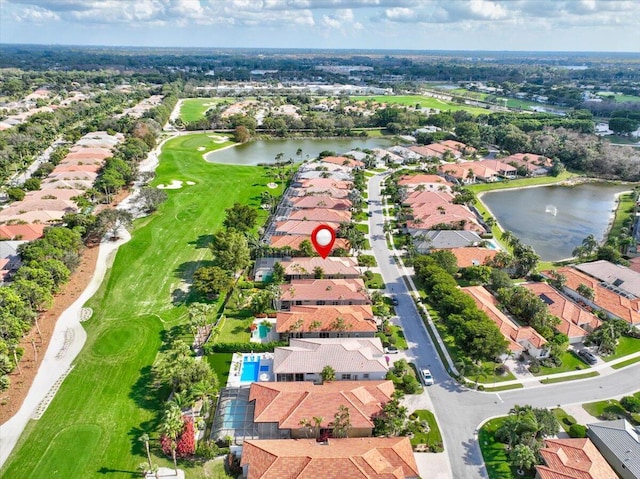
(555, 219)
(265, 151)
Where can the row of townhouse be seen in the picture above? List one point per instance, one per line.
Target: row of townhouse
(26, 220)
(490, 170)
(328, 322)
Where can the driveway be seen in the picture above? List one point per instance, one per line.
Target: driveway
(460, 411)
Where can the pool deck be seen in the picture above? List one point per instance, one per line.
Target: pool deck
(235, 372)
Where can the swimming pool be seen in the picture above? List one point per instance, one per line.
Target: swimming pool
(249, 371)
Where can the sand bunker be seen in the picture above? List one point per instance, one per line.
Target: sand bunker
(174, 185)
(201, 148)
(218, 138)
(272, 185)
(190, 182)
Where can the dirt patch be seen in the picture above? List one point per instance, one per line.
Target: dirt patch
(11, 400)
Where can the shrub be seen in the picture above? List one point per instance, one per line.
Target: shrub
(577, 431)
(534, 368)
(243, 347)
(480, 387)
(186, 444)
(209, 449)
(630, 403)
(569, 420)
(609, 416)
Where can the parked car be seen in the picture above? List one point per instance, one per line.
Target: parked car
(369, 214)
(587, 356)
(427, 378)
(391, 350)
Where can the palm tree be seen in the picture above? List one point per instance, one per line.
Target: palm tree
(317, 422)
(144, 438)
(306, 425)
(172, 425)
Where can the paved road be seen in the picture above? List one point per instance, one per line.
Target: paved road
(459, 410)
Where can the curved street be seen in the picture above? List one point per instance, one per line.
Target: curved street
(459, 410)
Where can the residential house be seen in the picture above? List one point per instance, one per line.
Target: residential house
(472, 256)
(9, 258)
(619, 443)
(352, 458)
(575, 321)
(519, 338)
(426, 241)
(324, 183)
(405, 153)
(469, 172)
(27, 232)
(332, 268)
(289, 244)
(503, 169)
(300, 228)
(425, 183)
(292, 406)
(319, 201)
(354, 321)
(443, 217)
(342, 161)
(333, 192)
(535, 165)
(325, 215)
(611, 302)
(321, 292)
(352, 359)
(417, 198)
(572, 459)
(459, 146)
(612, 276)
(438, 151)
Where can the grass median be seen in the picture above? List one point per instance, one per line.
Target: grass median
(107, 401)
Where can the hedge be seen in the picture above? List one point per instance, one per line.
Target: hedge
(243, 347)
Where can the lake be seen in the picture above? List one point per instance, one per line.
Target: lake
(265, 151)
(579, 210)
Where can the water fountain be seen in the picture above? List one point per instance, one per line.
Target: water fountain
(551, 210)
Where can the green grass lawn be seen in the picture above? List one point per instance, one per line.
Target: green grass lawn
(503, 388)
(573, 377)
(376, 282)
(423, 101)
(220, 363)
(598, 408)
(494, 453)
(363, 227)
(193, 109)
(107, 401)
(623, 211)
(626, 345)
(623, 98)
(570, 362)
(626, 363)
(562, 417)
(431, 438)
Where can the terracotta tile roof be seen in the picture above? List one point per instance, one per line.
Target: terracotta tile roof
(344, 355)
(457, 145)
(499, 166)
(461, 170)
(512, 332)
(300, 228)
(622, 307)
(429, 221)
(529, 160)
(87, 154)
(352, 458)
(28, 232)
(573, 459)
(287, 241)
(342, 161)
(616, 275)
(321, 214)
(334, 266)
(420, 179)
(65, 168)
(20, 207)
(40, 216)
(312, 191)
(320, 201)
(573, 317)
(64, 194)
(357, 318)
(287, 403)
(53, 184)
(324, 290)
(326, 183)
(472, 256)
(73, 175)
(428, 197)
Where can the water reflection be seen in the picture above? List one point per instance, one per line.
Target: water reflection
(581, 210)
(265, 151)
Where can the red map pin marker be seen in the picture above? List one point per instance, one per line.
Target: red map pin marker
(323, 238)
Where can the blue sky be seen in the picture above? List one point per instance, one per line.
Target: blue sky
(537, 25)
